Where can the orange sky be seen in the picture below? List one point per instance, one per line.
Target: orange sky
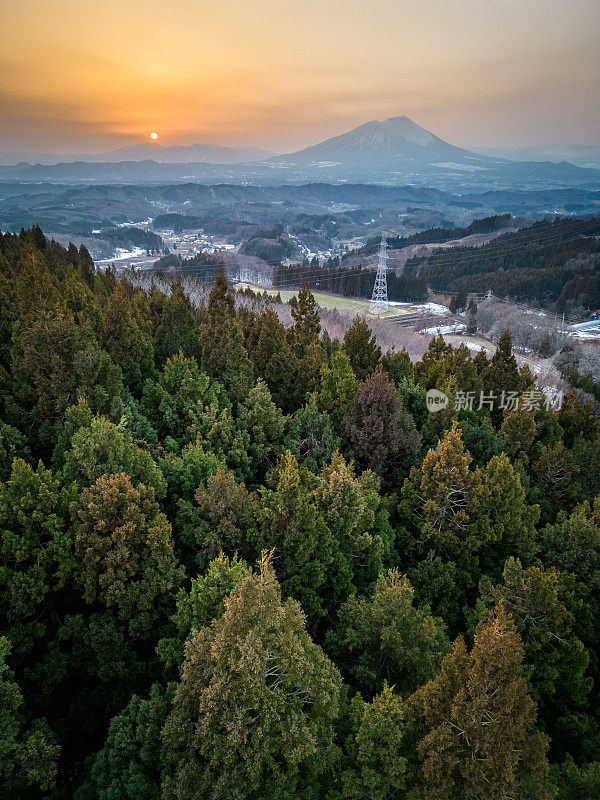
(83, 75)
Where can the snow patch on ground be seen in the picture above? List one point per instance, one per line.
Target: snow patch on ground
(121, 254)
(476, 348)
(446, 329)
(591, 333)
(434, 308)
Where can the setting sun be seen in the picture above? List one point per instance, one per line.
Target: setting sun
(154, 135)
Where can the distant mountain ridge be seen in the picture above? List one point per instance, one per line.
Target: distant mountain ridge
(582, 155)
(395, 151)
(145, 151)
(188, 154)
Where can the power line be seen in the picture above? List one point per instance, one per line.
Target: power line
(448, 256)
(525, 237)
(441, 253)
(296, 275)
(593, 223)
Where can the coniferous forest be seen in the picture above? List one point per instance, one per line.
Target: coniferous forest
(240, 561)
(552, 262)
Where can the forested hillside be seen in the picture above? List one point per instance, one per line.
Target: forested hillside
(440, 235)
(131, 236)
(245, 562)
(552, 262)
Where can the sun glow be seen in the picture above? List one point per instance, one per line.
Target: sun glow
(154, 135)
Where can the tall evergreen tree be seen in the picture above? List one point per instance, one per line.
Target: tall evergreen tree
(224, 355)
(101, 448)
(556, 660)
(387, 638)
(474, 722)
(445, 497)
(178, 330)
(373, 765)
(264, 425)
(53, 360)
(306, 554)
(307, 326)
(273, 358)
(398, 365)
(27, 755)
(124, 551)
(177, 399)
(126, 336)
(362, 349)
(358, 518)
(503, 371)
(222, 520)
(509, 520)
(380, 434)
(253, 713)
(35, 548)
(310, 437)
(338, 387)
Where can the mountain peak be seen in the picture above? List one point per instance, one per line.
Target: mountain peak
(407, 130)
(391, 140)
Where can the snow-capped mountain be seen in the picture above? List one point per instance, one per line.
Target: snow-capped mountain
(395, 151)
(394, 139)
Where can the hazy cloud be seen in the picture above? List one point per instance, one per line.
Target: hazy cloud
(283, 73)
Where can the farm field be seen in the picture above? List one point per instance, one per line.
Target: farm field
(357, 305)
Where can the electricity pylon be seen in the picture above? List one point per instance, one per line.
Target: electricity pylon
(379, 299)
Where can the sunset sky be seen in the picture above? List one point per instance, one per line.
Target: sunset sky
(84, 75)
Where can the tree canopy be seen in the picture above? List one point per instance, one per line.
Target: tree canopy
(240, 558)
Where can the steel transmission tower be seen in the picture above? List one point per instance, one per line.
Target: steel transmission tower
(379, 300)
